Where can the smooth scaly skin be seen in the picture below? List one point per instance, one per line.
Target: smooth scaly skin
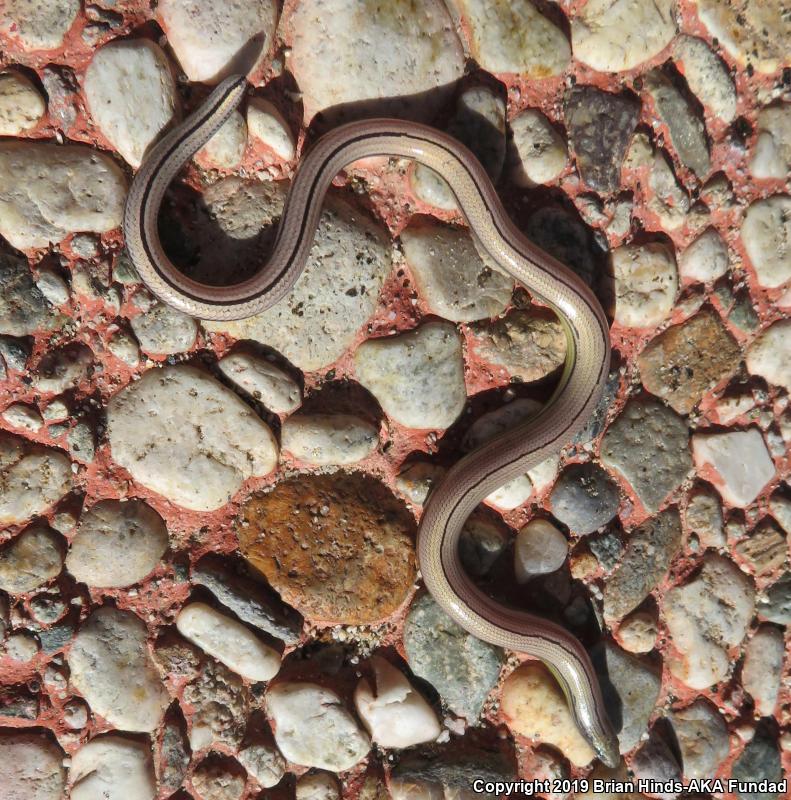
(490, 466)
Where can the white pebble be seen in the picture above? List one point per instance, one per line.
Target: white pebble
(539, 548)
(706, 259)
(21, 105)
(538, 153)
(112, 767)
(267, 124)
(270, 385)
(23, 417)
(329, 439)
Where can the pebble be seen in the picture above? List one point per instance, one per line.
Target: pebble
(684, 362)
(649, 445)
(85, 191)
(514, 37)
(75, 714)
(218, 778)
(706, 76)
(226, 148)
(759, 761)
(780, 508)
(317, 786)
(32, 477)
(131, 95)
(649, 551)
(707, 616)
(416, 480)
(687, 133)
(117, 544)
(219, 704)
(22, 417)
(770, 354)
(53, 286)
(764, 550)
(112, 767)
(539, 548)
(706, 259)
(247, 598)
(24, 309)
(212, 41)
(762, 669)
(600, 126)
(329, 439)
(462, 668)
(765, 233)
(629, 684)
(228, 641)
(124, 347)
(529, 344)
(202, 462)
(262, 380)
(752, 33)
(703, 518)
(336, 293)
(481, 543)
(479, 123)
(566, 238)
(538, 153)
(164, 330)
(111, 668)
(431, 188)
(452, 278)
(637, 632)
(533, 705)
(584, 498)
(655, 761)
(64, 368)
(646, 282)
(410, 54)
(702, 737)
(417, 377)
(264, 764)
(312, 727)
(21, 647)
(772, 154)
(337, 547)
(39, 25)
(31, 765)
(394, 713)
(740, 461)
(266, 123)
(614, 37)
(21, 105)
(31, 559)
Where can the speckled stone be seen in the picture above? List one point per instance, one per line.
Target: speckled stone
(762, 670)
(31, 765)
(702, 736)
(164, 330)
(760, 760)
(654, 760)
(23, 307)
(775, 604)
(706, 76)
(38, 24)
(765, 232)
(31, 559)
(649, 445)
(462, 668)
(685, 361)
(21, 104)
(538, 153)
(584, 498)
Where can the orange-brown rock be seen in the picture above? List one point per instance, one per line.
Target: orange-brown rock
(340, 547)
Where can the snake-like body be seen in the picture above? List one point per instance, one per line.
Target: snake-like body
(479, 473)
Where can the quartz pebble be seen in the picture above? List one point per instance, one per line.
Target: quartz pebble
(131, 94)
(219, 705)
(703, 518)
(312, 728)
(612, 37)
(534, 706)
(31, 559)
(228, 641)
(770, 354)
(538, 153)
(317, 786)
(53, 286)
(706, 76)
(209, 40)
(454, 280)
(218, 778)
(39, 25)
(329, 439)
(31, 765)
(262, 380)
(85, 191)
(706, 617)
(164, 330)
(112, 767)
(23, 417)
(111, 668)
(199, 464)
(539, 548)
(702, 738)
(21, 647)
(763, 668)
(266, 123)
(479, 123)
(21, 105)
(765, 232)
(637, 632)
(117, 544)
(416, 480)
(392, 711)
(706, 259)
(584, 498)
(418, 377)
(645, 284)
(772, 155)
(264, 764)
(226, 148)
(740, 461)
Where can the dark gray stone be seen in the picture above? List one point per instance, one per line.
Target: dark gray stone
(585, 497)
(760, 760)
(23, 308)
(607, 548)
(649, 445)
(18, 702)
(15, 352)
(649, 550)
(600, 126)
(566, 238)
(462, 668)
(174, 750)
(655, 761)
(595, 424)
(702, 738)
(251, 601)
